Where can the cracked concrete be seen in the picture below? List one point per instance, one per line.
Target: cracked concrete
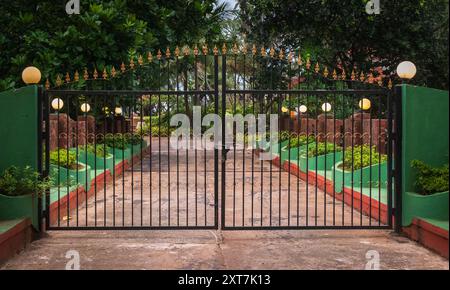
(330, 249)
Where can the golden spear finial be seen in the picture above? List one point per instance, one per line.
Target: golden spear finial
(95, 75)
(272, 52)
(123, 67)
(290, 57)
(254, 50)
(149, 56)
(244, 49)
(195, 50)
(216, 50)
(334, 74)
(186, 51)
(177, 51)
(105, 74)
(67, 78)
(343, 75)
(131, 63)
(168, 52)
(299, 60)
(47, 84)
(159, 54)
(140, 60)
(76, 77)
(353, 76)
(361, 77)
(224, 49)
(281, 54)
(263, 51)
(113, 72)
(205, 49)
(58, 80)
(317, 67)
(390, 85)
(325, 72)
(85, 74)
(308, 63)
(235, 49)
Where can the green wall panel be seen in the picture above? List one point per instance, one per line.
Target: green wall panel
(18, 127)
(425, 116)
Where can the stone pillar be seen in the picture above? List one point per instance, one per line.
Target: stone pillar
(377, 136)
(304, 126)
(59, 125)
(354, 128)
(90, 127)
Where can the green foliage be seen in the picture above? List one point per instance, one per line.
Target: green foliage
(116, 141)
(39, 32)
(99, 150)
(284, 135)
(156, 130)
(341, 32)
(362, 156)
(120, 141)
(300, 141)
(16, 181)
(323, 148)
(134, 139)
(64, 158)
(429, 179)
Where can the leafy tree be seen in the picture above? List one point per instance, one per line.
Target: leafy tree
(40, 33)
(342, 32)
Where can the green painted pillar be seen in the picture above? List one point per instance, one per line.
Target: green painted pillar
(19, 119)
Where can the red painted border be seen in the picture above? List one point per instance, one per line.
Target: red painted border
(429, 235)
(15, 240)
(98, 182)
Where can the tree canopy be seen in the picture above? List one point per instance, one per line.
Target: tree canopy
(341, 32)
(41, 33)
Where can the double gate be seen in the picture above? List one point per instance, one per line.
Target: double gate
(295, 147)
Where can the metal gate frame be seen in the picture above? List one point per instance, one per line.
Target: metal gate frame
(394, 152)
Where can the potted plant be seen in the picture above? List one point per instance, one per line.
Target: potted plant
(96, 156)
(19, 192)
(283, 140)
(66, 170)
(363, 165)
(320, 156)
(136, 143)
(430, 199)
(295, 145)
(118, 146)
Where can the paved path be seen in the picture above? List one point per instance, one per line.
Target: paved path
(191, 202)
(239, 250)
(176, 188)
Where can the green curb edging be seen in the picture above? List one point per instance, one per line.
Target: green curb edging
(364, 173)
(16, 207)
(433, 206)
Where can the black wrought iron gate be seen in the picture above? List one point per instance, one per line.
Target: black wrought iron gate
(115, 163)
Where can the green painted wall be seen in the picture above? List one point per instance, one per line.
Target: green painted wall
(425, 120)
(18, 127)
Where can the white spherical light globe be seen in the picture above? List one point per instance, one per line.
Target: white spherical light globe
(57, 104)
(31, 75)
(118, 111)
(365, 104)
(85, 107)
(406, 70)
(326, 107)
(303, 109)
